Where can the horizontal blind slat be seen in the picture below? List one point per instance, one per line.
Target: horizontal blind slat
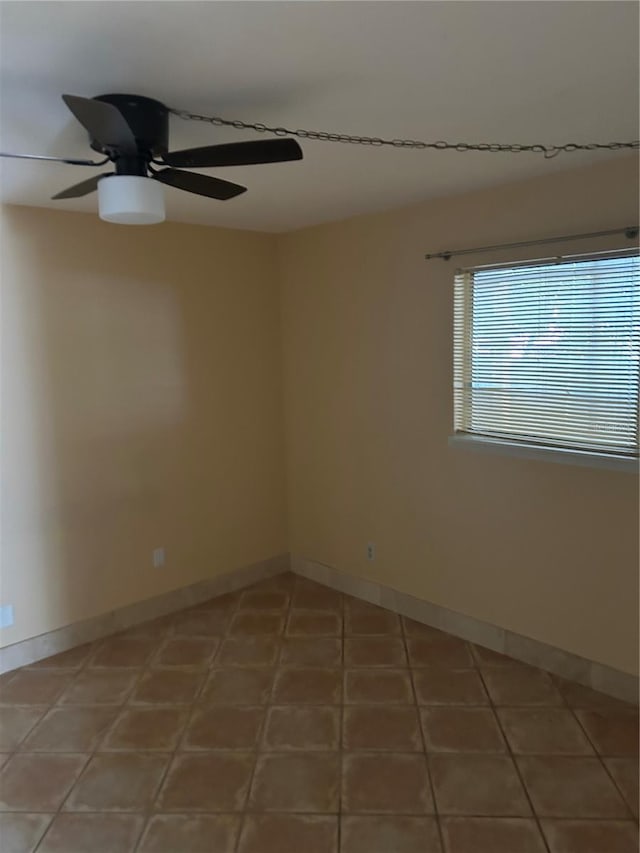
(550, 351)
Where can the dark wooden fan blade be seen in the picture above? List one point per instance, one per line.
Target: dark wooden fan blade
(104, 123)
(236, 154)
(200, 184)
(70, 161)
(83, 188)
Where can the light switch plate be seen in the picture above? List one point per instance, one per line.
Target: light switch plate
(6, 616)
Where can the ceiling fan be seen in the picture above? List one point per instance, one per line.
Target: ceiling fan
(133, 133)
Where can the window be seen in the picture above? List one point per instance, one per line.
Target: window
(547, 354)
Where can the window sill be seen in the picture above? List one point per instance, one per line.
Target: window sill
(544, 454)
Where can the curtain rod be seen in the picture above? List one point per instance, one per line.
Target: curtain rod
(629, 232)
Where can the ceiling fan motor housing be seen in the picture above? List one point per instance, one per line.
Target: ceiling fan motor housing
(148, 120)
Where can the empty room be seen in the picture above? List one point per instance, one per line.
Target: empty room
(320, 386)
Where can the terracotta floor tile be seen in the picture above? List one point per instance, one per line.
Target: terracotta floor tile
(152, 629)
(38, 783)
(578, 696)
(491, 835)
(100, 687)
(168, 687)
(185, 651)
(442, 686)
(373, 686)
(458, 729)
(207, 782)
(124, 651)
(311, 651)
(158, 627)
(364, 618)
(224, 727)
(312, 596)
(227, 603)
(70, 728)
(314, 623)
(238, 686)
(382, 727)
(374, 651)
(551, 731)
(147, 728)
(190, 834)
(16, 722)
(71, 659)
(478, 785)
(375, 834)
(289, 833)
(101, 833)
(118, 782)
(256, 599)
(201, 623)
(307, 686)
(183, 709)
(302, 727)
(36, 686)
(625, 775)
(487, 657)
(447, 652)
(20, 833)
(256, 622)
(296, 782)
(248, 651)
(611, 732)
(392, 784)
(420, 629)
(284, 582)
(591, 836)
(571, 787)
(6, 677)
(520, 685)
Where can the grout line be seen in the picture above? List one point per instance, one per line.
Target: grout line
(166, 632)
(513, 760)
(192, 707)
(88, 755)
(422, 738)
(58, 811)
(139, 674)
(601, 758)
(261, 731)
(341, 754)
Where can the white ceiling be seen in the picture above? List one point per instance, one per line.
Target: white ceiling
(464, 71)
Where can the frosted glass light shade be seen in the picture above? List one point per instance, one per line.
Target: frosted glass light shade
(130, 200)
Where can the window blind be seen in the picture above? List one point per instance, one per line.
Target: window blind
(548, 353)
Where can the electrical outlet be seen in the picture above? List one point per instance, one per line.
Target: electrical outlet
(6, 616)
(371, 551)
(158, 558)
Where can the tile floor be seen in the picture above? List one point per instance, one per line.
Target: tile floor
(288, 718)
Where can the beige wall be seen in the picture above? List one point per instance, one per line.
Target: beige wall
(141, 407)
(549, 551)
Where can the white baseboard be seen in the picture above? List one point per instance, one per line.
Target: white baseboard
(592, 674)
(53, 642)
(600, 677)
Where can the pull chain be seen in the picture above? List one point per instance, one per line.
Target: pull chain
(549, 151)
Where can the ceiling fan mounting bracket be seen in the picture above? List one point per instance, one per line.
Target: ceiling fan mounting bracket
(148, 120)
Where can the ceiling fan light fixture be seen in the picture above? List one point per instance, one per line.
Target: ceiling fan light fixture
(130, 200)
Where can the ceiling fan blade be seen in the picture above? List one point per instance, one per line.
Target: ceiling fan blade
(83, 188)
(104, 122)
(200, 184)
(71, 161)
(236, 154)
